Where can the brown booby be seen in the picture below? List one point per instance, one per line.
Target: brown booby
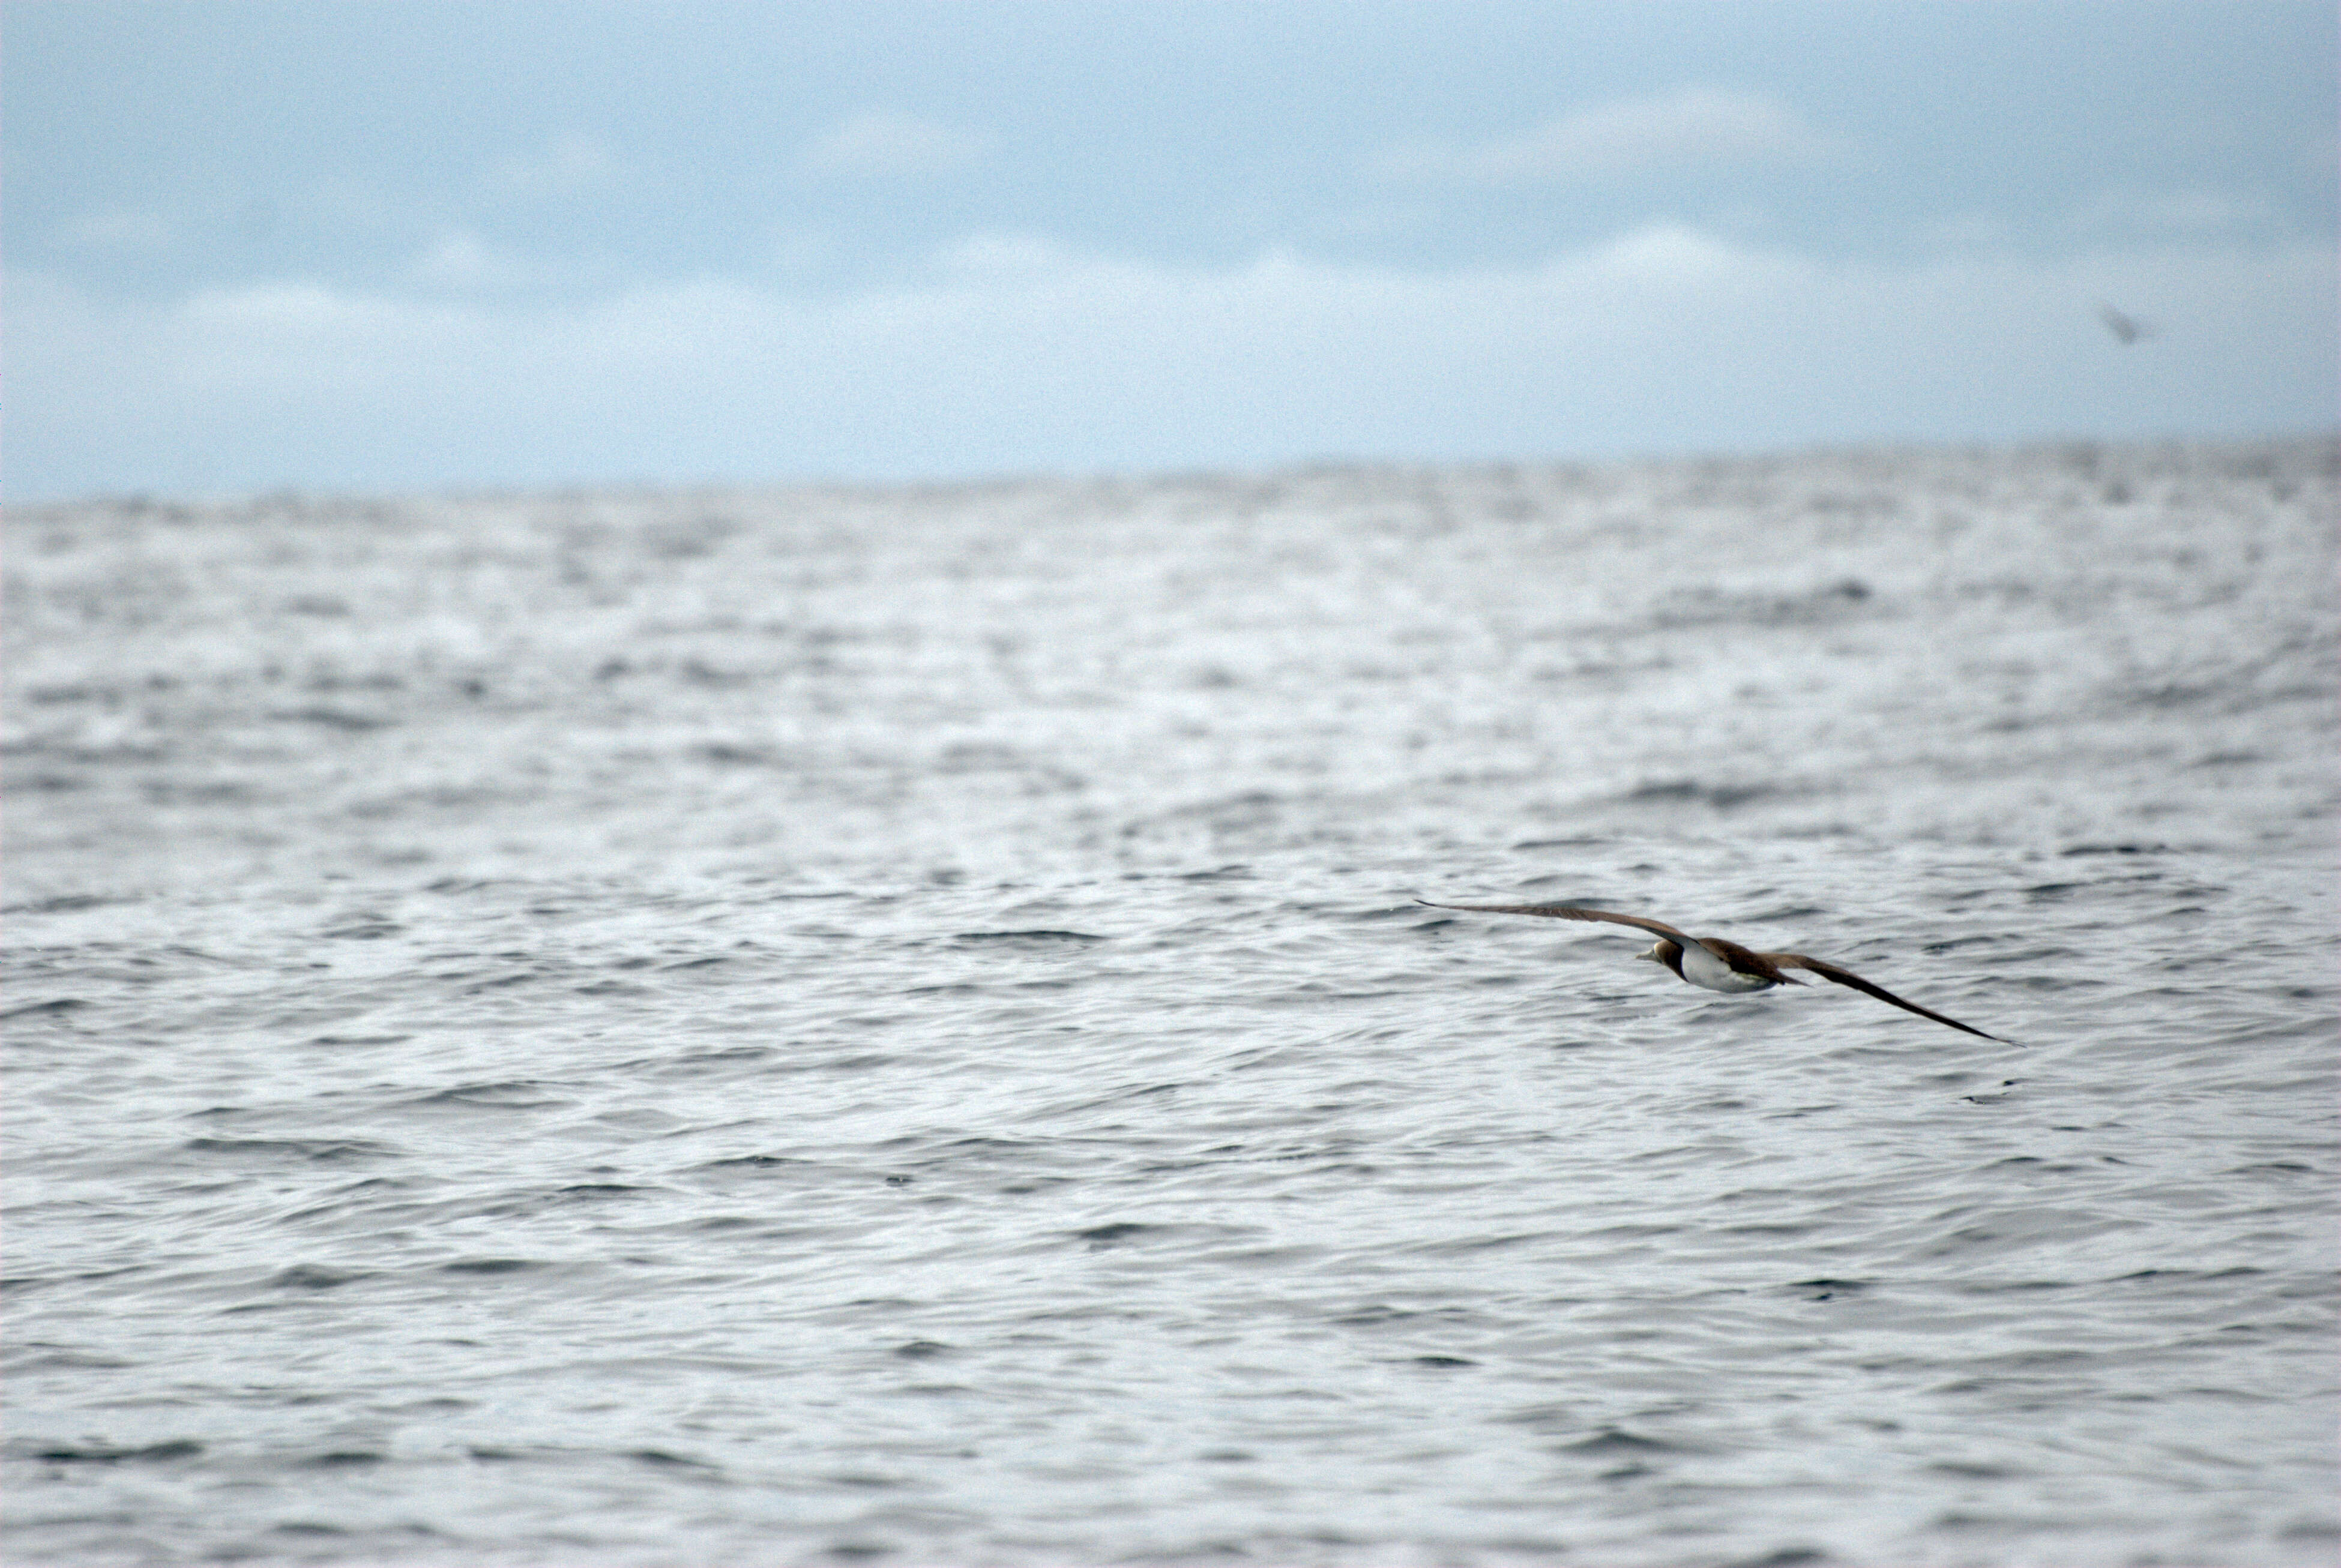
(1713, 962)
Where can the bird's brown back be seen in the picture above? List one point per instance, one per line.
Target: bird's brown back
(1746, 961)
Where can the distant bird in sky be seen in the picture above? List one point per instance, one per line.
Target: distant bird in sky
(2129, 329)
(1713, 962)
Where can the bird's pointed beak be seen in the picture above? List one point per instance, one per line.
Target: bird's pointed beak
(1651, 953)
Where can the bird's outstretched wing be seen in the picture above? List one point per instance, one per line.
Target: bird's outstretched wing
(1564, 912)
(1848, 978)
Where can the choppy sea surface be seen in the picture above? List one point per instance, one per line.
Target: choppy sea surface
(888, 1025)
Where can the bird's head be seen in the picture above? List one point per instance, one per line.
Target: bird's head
(1664, 953)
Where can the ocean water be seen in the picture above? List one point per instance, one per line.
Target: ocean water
(890, 1024)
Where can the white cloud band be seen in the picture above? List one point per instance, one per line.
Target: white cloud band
(1013, 355)
(1689, 129)
(877, 144)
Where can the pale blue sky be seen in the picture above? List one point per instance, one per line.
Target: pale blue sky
(368, 246)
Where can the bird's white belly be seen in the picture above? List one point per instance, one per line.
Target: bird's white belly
(1701, 968)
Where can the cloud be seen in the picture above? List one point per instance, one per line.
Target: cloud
(1002, 254)
(119, 230)
(794, 248)
(876, 144)
(461, 259)
(1690, 128)
(2174, 212)
(1013, 355)
(568, 165)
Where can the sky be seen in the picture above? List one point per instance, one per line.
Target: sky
(369, 247)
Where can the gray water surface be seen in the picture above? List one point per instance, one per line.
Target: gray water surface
(890, 1026)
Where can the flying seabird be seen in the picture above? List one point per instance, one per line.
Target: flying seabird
(2127, 328)
(1713, 962)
